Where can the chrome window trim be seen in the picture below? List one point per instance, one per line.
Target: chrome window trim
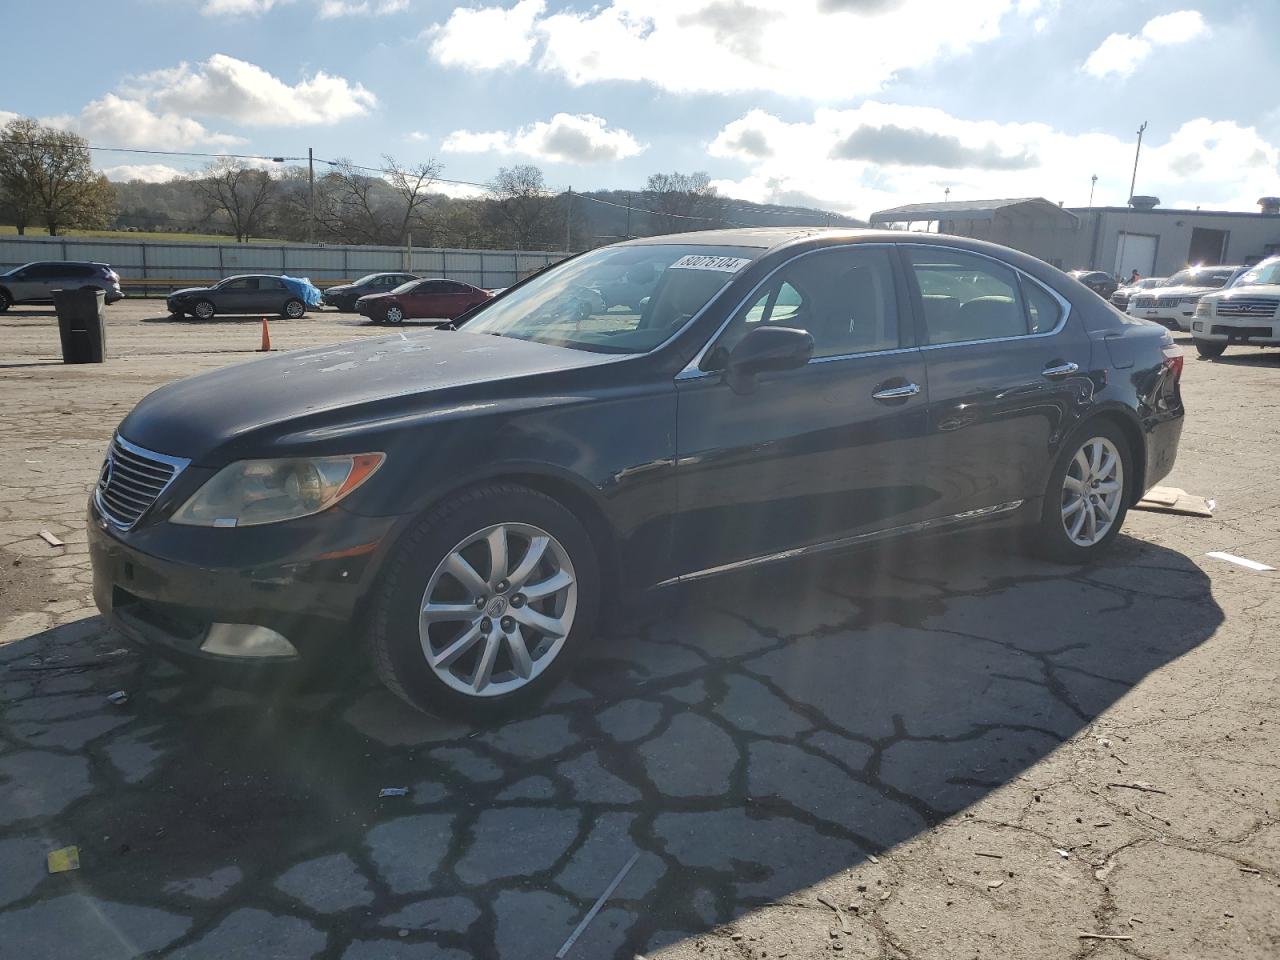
(828, 545)
(1063, 302)
(691, 369)
(178, 463)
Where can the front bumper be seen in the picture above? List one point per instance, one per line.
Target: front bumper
(1172, 318)
(1259, 332)
(251, 597)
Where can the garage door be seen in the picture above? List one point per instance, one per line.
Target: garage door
(1135, 251)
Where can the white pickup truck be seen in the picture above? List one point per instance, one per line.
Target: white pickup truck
(1246, 313)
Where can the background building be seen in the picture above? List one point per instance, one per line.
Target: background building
(1146, 238)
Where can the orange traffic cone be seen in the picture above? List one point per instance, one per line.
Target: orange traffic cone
(266, 338)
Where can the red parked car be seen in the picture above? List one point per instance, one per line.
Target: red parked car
(422, 300)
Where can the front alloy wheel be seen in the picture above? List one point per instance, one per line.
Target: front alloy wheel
(484, 603)
(486, 635)
(394, 314)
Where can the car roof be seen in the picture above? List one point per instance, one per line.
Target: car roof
(766, 238)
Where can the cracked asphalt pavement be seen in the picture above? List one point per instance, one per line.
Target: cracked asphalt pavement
(940, 750)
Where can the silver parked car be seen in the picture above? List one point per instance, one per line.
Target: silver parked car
(35, 282)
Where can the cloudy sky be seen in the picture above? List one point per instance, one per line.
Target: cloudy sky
(849, 105)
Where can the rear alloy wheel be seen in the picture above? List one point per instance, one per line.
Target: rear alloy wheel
(1209, 349)
(203, 310)
(5, 301)
(393, 314)
(1087, 496)
(294, 309)
(485, 603)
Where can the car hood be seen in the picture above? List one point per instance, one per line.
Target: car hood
(1251, 290)
(188, 291)
(376, 296)
(238, 411)
(1186, 291)
(342, 288)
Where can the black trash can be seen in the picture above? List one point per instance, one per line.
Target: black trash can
(82, 324)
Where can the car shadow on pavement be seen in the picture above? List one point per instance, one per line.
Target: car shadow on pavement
(1263, 358)
(759, 744)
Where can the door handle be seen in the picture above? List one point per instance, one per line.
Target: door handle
(897, 393)
(1060, 369)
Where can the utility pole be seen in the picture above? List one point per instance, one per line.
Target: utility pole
(1093, 183)
(311, 195)
(628, 214)
(1133, 183)
(568, 221)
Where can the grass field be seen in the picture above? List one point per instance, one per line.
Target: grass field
(6, 230)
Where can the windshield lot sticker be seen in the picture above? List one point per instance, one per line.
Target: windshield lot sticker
(700, 262)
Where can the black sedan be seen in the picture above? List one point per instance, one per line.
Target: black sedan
(344, 296)
(251, 293)
(1100, 282)
(464, 503)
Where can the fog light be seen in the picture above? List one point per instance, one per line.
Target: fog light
(1198, 327)
(246, 640)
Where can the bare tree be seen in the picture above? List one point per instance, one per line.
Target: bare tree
(686, 201)
(523, 203)
(47, 174)
(242, 194)
(354, 205)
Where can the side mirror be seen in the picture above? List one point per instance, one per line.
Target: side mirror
(766, 348)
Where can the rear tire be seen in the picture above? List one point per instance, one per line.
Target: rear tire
(5, 301)
(294, 309)
(1209, 349)
(491, 609)
(1086, 498)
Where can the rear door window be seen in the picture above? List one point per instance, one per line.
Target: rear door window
(966, 297)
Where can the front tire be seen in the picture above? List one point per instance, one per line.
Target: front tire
(394, 314)
(203, 310)
(1087, 496)
(485, 603)
(1209, 349)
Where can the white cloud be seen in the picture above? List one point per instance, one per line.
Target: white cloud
(416, 136)
(361, 8)
(487, 38)
(236, 90)
(147, 172)
(566, 138)
(818, 49)
(236, 8)
(1120, 54)
(6, 116)
(116, 121)
(880, 155)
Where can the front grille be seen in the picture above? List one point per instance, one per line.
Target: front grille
(1248, 307)
(1144, 301)
(132, 480)
(1120, 300)
(1167, 301)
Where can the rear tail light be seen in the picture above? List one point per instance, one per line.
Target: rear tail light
(1173, 357)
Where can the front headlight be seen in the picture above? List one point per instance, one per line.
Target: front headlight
(1204, 308)
(251, 492)
(1195, 299)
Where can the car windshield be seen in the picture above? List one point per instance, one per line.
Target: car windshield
(1268, 271)
(1198, 278)
(366, 278)
(406, 287)
(617, 299)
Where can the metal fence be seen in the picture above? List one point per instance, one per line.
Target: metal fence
(157, 267)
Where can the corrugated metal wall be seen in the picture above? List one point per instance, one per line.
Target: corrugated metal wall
(174, 264)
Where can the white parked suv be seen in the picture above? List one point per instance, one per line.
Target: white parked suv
(1173, 303)
(1247, 312)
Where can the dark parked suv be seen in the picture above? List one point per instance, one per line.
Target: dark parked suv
(463, 503)
(344, 296)
(35, 282)
(257, 293)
